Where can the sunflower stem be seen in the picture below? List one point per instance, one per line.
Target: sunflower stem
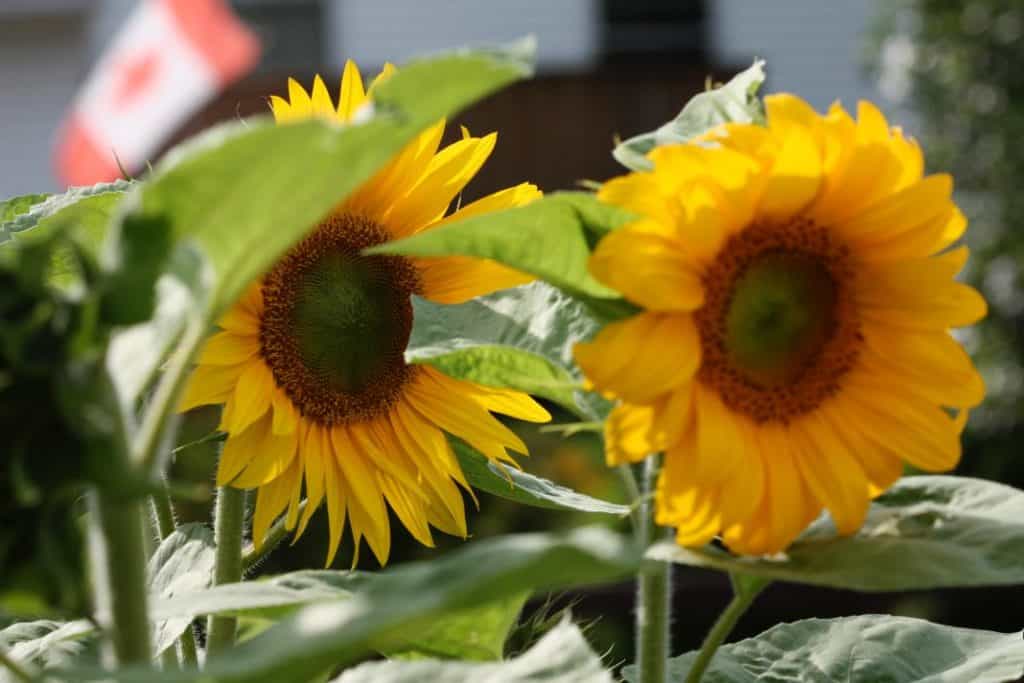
(229, 517)
(163, 512)
(119, 575)
(654, 591)
(146, 448)
(745, 590)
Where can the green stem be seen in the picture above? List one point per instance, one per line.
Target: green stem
(163, 512)
(230, 516)
(20, 671)
(654, 592)
(277, 533)
(119, 573)
(187, 648)
(146, 450)
(744, 593)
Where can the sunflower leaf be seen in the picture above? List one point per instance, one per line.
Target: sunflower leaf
(525, 488)
(520, 338)
(550, 238)
(862, 649)
(926, 532)
(45, 643)
(183, 563)
(330, 633)
(16, 206)
(736, 101)
(562, 655)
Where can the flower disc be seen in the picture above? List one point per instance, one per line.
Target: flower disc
(337, 323)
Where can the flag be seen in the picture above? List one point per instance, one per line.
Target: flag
(167, 60)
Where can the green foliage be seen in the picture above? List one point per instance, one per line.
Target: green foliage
(46, 644)
(525, 488)
(736, 101)
(550, 238)
(15, 206)
(562, 655)
(520, 338)
(926, 532)
(864, 649)
(182, 564)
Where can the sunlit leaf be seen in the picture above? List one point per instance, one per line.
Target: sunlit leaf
(736, 101)
(182, 564)
(863, 649)
(926, 532)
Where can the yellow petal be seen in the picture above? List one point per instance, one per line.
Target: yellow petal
(269, 460)
(642, 357)
(210, 384)
(286, 416)
(272, 499)
(506, 401)
(313, 464)
(228, 348)
(239, 450)
(301, 105)
(649, 270)
(794, 180)
(352, 96)
(633, 432)
(321, 100)
(251, 399)
(457, 279)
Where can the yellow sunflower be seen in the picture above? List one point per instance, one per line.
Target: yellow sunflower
(794, 348)
(309, 366)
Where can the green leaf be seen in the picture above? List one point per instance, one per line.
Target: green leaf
(561, 656)
(520, 338)
(272, 597)
(92, 204)
(15, 206)
(550, 238)
(238, 196)
(736, 101)
(336, 632)
(44, 643)
(862, 649)
(926, 532)
(525, 488)
(182, 564)
(477, 633)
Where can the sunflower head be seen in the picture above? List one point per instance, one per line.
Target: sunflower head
(794, 347)
(318, 400)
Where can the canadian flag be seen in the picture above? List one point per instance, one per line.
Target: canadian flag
(169, 58)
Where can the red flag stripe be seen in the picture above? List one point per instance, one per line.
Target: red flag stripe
(211, 27)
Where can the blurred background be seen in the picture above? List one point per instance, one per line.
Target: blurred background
(948, 70)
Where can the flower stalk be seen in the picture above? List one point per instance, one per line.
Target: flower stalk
(654, 591)
(119, 576)
(745, 590)
(229, 517)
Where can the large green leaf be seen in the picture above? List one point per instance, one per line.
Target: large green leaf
(550, 238)
(520, 338)
(736, 101)
(926, 532)
(863, 649)
(477, 633)
(525, 488)
(561, 656)
(182, 564)
(44, 643)
(16, 206)
(384, 605)
(236, 197)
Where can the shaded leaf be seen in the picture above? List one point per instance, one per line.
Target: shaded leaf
(182, 564)
(44, 643)
(562, 655)
(926, 532)
(736, 101)
(477, 633)
(321, 636)
(862, 649)
(525, 488)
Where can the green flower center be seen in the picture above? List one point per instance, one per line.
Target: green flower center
(781, 315)
(779, 327)
(336, 323)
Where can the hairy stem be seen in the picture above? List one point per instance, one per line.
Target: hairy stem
(228, 521)
(654, 592)
(744, 592)
(119, 574)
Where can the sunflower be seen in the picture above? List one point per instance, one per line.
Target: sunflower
(309, 365)
(794, 347)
